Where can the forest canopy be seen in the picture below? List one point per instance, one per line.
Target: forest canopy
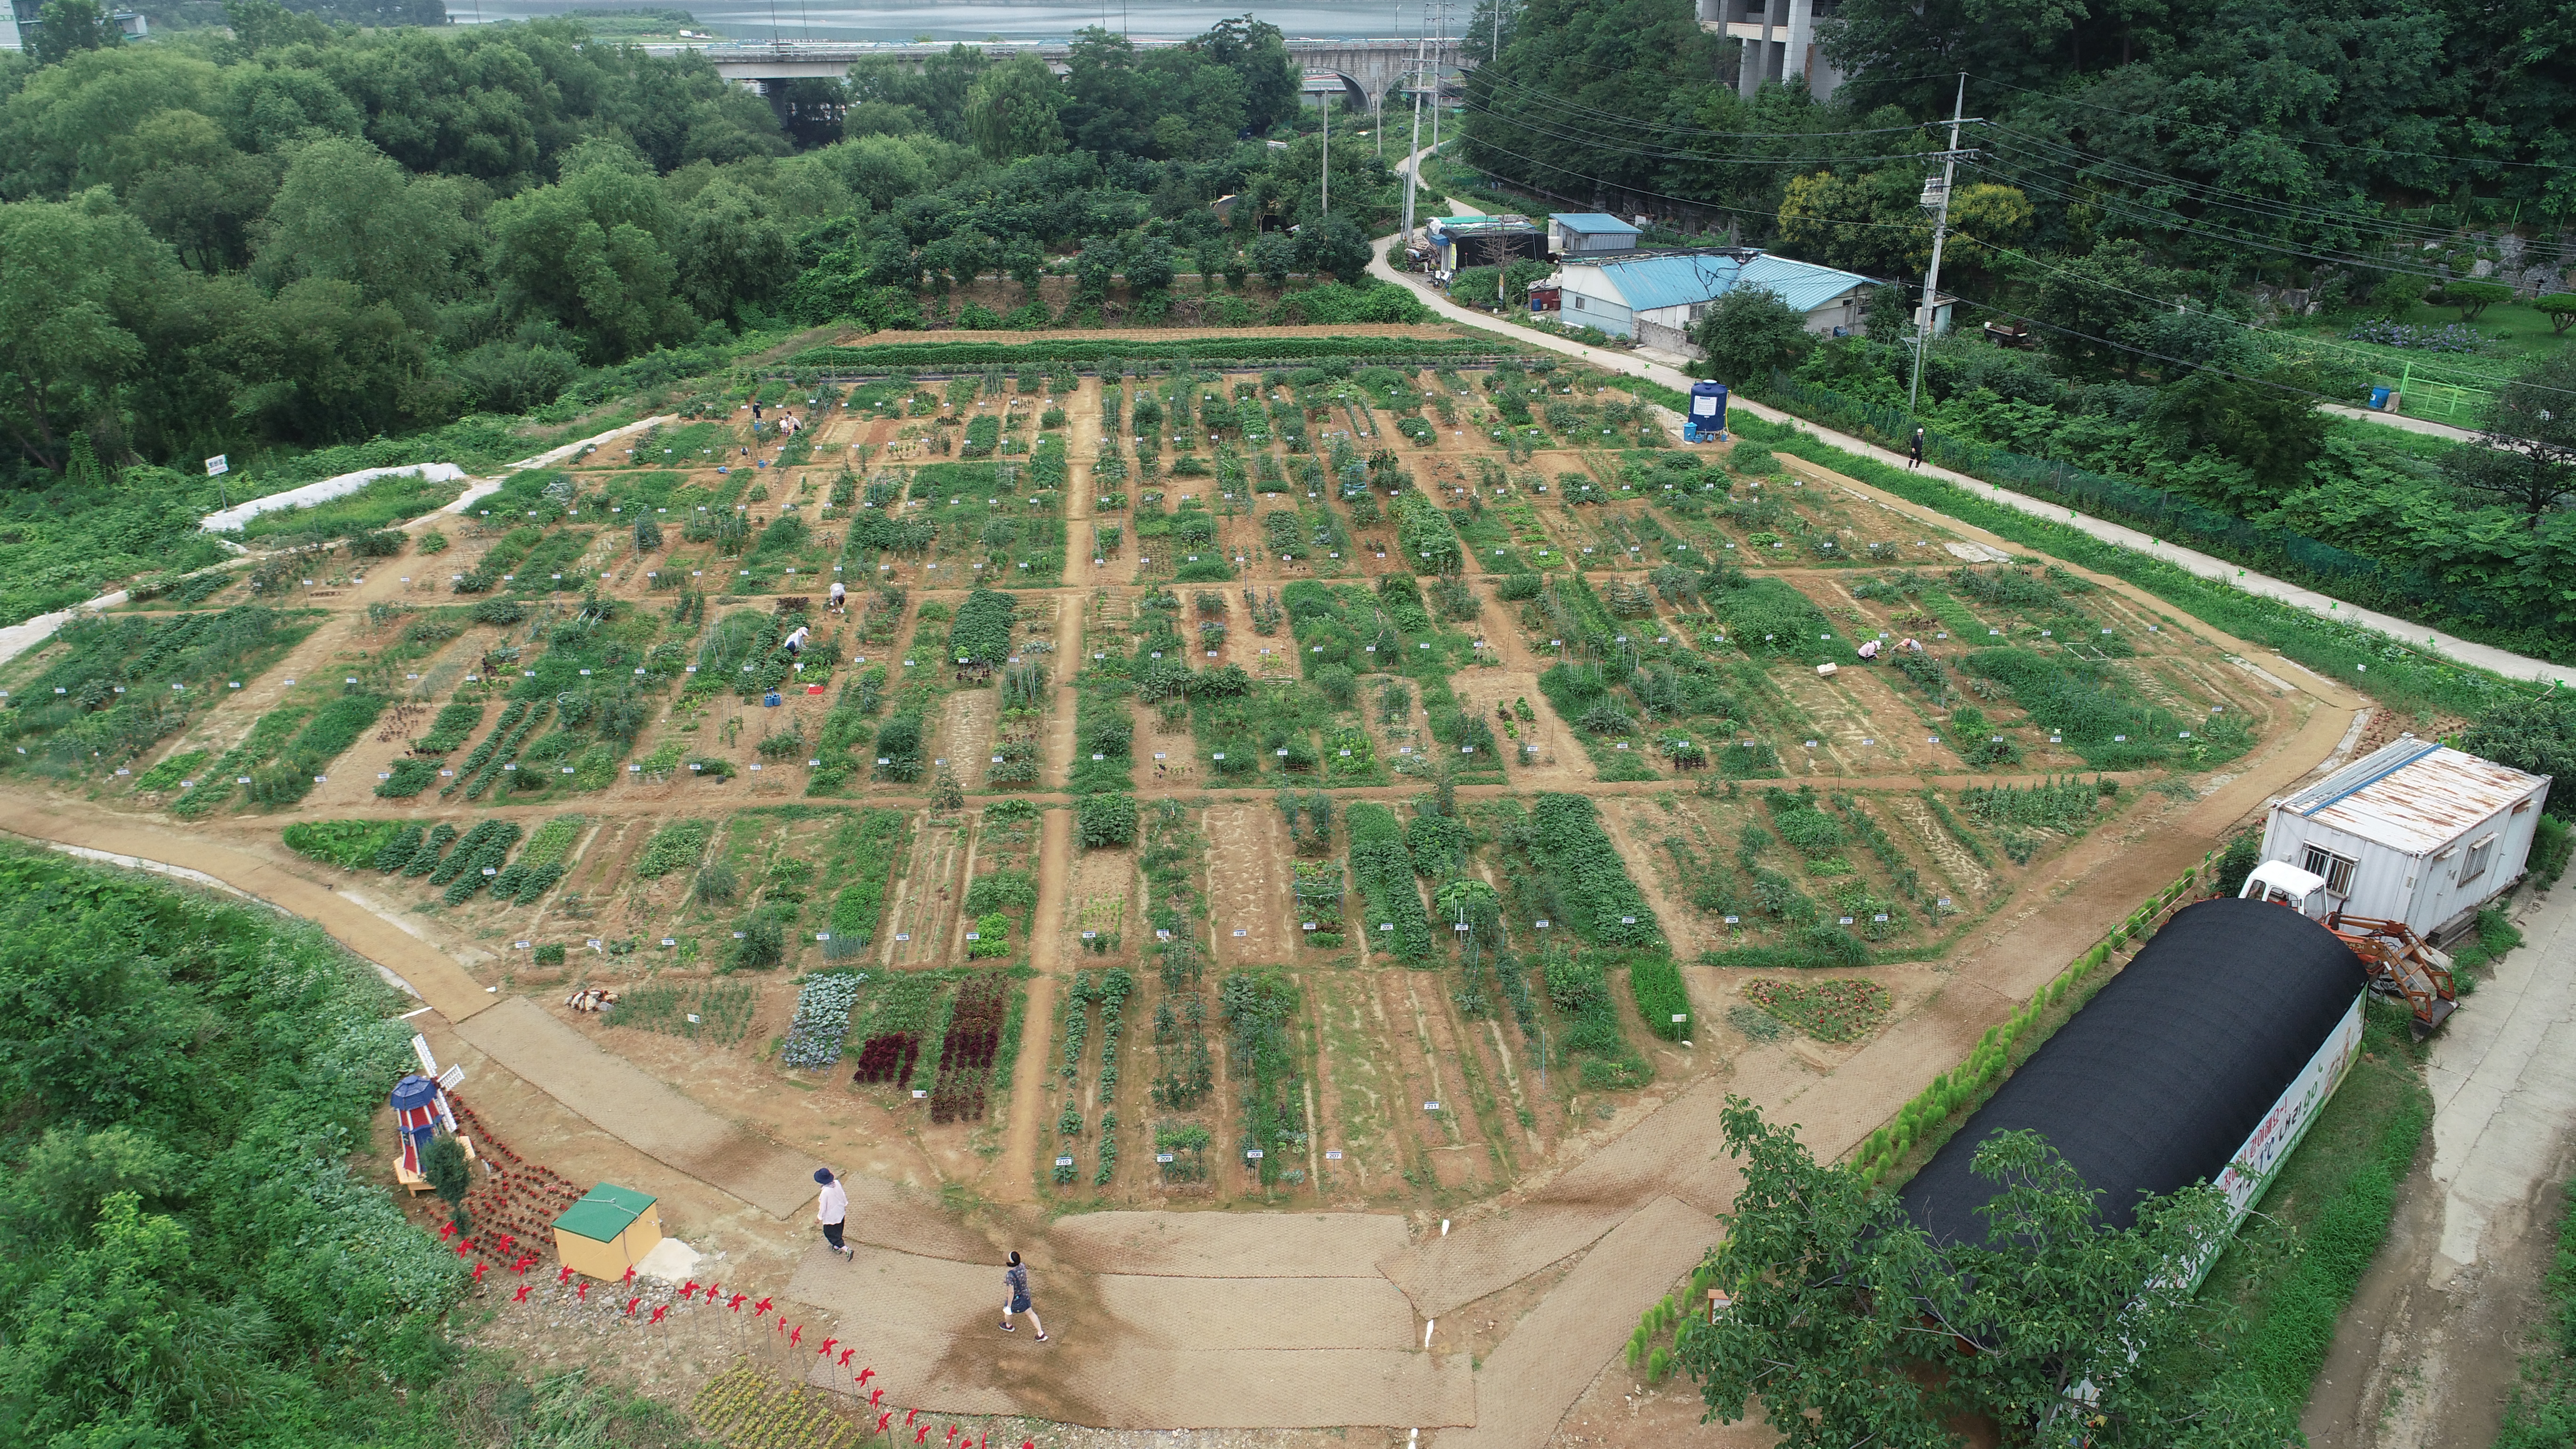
(298, 233)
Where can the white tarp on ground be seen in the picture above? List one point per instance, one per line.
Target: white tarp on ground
(323, 491)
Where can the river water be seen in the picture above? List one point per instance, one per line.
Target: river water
(983, 19)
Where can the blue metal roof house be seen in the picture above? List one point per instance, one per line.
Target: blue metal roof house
(1656, 298)
(1579, 233)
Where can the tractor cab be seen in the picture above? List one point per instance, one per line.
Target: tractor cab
(2284, 884)
(2400, 965)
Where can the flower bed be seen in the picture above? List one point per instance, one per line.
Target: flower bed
(1829, 1011)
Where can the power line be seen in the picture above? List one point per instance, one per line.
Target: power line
(1551, 130)
(2211, 231)
(2240, 131)
(2164, 303)
(2211, 194)
(1581, 111)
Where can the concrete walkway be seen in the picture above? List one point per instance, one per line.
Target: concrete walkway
(2426, 1352)
(2413, 635)
(637, 1108)
(2426, 426)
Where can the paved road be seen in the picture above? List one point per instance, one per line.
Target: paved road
(2484, 656)
(2424, 1355)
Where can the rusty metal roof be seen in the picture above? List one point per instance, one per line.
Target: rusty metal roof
(2413, 795)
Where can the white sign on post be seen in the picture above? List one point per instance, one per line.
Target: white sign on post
(220, 463)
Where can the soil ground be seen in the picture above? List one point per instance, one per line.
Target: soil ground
(1470, 1232)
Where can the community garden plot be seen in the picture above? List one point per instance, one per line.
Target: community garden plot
(1364, 585)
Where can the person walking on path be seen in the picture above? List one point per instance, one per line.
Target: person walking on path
(1015, 1279)
(832, 1211)
(1914, 450)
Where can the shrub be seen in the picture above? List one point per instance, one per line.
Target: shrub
(1106, 819)
(1661, 997)
(675, 846)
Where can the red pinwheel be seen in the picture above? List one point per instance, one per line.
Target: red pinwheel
(582, 1293)
(888, 1417)
(908, 1416)
(563, 1277)
(446, 1231)
(630, 1276)
(828, 1345)
(763, 1306)
(478, 1271)
(735, 1305)
(922, 1436)
(796, 1336)
(952, 1434)
(845, 1357)
(509, 1243)
(658, 1312)
(689, 1289)
(522, 1295)
(865, 1374)
(465, 1250)
(875, 1397)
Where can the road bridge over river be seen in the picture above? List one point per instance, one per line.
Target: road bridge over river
(1369, 69)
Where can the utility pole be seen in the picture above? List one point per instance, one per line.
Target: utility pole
(1940, 231)
(1439, 47)
(1413, 153)
(1328, 153)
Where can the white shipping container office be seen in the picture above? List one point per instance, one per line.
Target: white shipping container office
(2415, 831)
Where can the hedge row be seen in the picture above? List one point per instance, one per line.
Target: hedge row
(1087, 353)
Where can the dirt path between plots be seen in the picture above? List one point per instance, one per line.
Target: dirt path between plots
(2429, 1348)
(1016, 1177)
(1060, 739)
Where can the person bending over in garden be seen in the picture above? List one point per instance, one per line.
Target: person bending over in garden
(1015, 1279)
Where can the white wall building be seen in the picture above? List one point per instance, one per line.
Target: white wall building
(2415, 831)
(1655, 299)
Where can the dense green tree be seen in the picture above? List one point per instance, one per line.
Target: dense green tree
(331, 365)
(79, 284)
(1011, 110)
(734, 255)
(2268, 424)
(591, 253)
(1748, 332)
(2536, 733)
(1257, 53)
(65, 28)
(180, 175)
(2529, 463)
(1849, 1326)
(344, 211)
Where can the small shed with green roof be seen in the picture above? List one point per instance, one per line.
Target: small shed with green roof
(608, 1231)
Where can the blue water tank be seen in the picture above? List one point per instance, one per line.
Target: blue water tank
(1708, 405)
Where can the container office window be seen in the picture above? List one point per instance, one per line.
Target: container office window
(2336, 870)
(2479, 857)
